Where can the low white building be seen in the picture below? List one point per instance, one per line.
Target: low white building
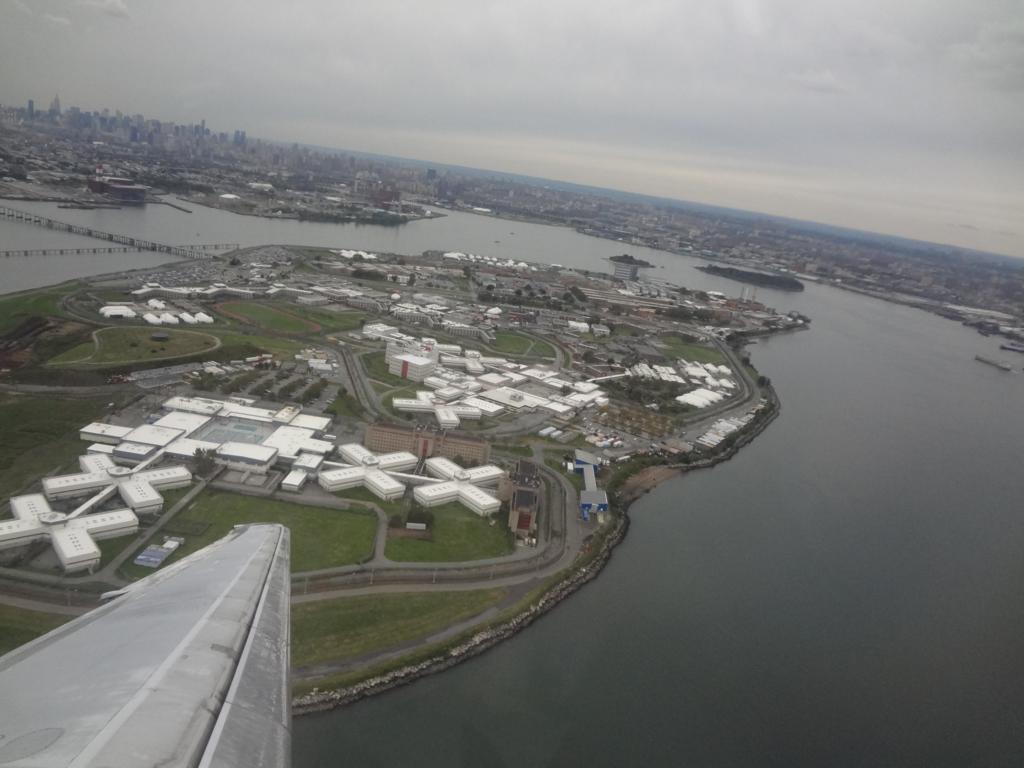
(98, 432)
(294, 481)
(246, 457)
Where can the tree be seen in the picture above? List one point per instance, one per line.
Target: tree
(204, 462)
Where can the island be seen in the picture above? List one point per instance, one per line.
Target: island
(432, 421)
(626, 258)
(778, 282)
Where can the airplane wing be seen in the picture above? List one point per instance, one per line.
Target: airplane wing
(188, 667)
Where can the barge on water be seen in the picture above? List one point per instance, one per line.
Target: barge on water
(995, 363)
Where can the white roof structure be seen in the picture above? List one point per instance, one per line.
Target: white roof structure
(294, 480)
(307, 421)
(99, 432)
(182, 420)
(150, 434)
(700, 398)
(95, 462)
(140, 495)
(459, 484)
(354, 453)
(310, 462)
(291, 441)
(133, 453)
(186, 447)
(72, 538)
(195, 405)
(484, 406)
(117, 310)
(379, 483)
(446, 481)
(247, 452)
(166, 477)
(513, 398)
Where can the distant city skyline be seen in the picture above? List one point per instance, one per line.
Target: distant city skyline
(902, 121)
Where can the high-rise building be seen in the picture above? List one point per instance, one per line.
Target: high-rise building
(55, 106)
(31, 109)
(626, 271)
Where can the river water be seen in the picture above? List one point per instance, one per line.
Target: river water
(848, 591)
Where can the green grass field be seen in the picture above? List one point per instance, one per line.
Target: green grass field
(518, 344)
(40, 434)
(131, 344)
(542, 348)
(111, 548)
(321, 538)
(330, 320)
(269, 316)
(458, 535)
(334, 630)
(17, 308)
(346, 406)
(694, 353)
(377, 369)
(18, 626)
(253, 343)
(511, 343)
(362, 494)
(553, 458)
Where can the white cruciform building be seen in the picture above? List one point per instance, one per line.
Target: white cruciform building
(364, 468)
(448, 416)
(73, 535)
(385, 475)
(458, 484)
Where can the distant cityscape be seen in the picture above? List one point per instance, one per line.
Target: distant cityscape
(84, 157)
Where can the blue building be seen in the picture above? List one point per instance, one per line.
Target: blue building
(592, 502)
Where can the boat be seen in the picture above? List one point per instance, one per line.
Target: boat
(995, 363)
(1013, 346)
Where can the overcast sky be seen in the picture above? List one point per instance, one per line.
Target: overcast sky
(898, 116)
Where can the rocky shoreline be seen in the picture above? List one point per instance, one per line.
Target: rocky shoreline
(483, 640)
(319, 701)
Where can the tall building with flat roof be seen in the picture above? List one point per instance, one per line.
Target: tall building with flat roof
(424, 443)
(626, 271)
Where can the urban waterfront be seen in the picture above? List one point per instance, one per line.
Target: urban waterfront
(844, 592)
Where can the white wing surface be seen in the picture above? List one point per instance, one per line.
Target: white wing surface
(188, 667)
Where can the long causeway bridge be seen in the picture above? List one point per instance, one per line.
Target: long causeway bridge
(125, 243)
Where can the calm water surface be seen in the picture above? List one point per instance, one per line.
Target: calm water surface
(848, 591)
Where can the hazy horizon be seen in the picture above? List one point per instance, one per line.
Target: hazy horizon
(903, 121)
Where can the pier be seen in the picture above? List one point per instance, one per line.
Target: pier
(125, 243)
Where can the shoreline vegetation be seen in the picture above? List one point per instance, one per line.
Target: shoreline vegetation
(628, 483)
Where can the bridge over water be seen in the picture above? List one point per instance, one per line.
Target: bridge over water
(125, 242)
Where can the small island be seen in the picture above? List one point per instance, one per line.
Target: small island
(779, 282)
(626, 258)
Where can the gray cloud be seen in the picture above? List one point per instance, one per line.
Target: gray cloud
(897, 116)
(115, 8)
